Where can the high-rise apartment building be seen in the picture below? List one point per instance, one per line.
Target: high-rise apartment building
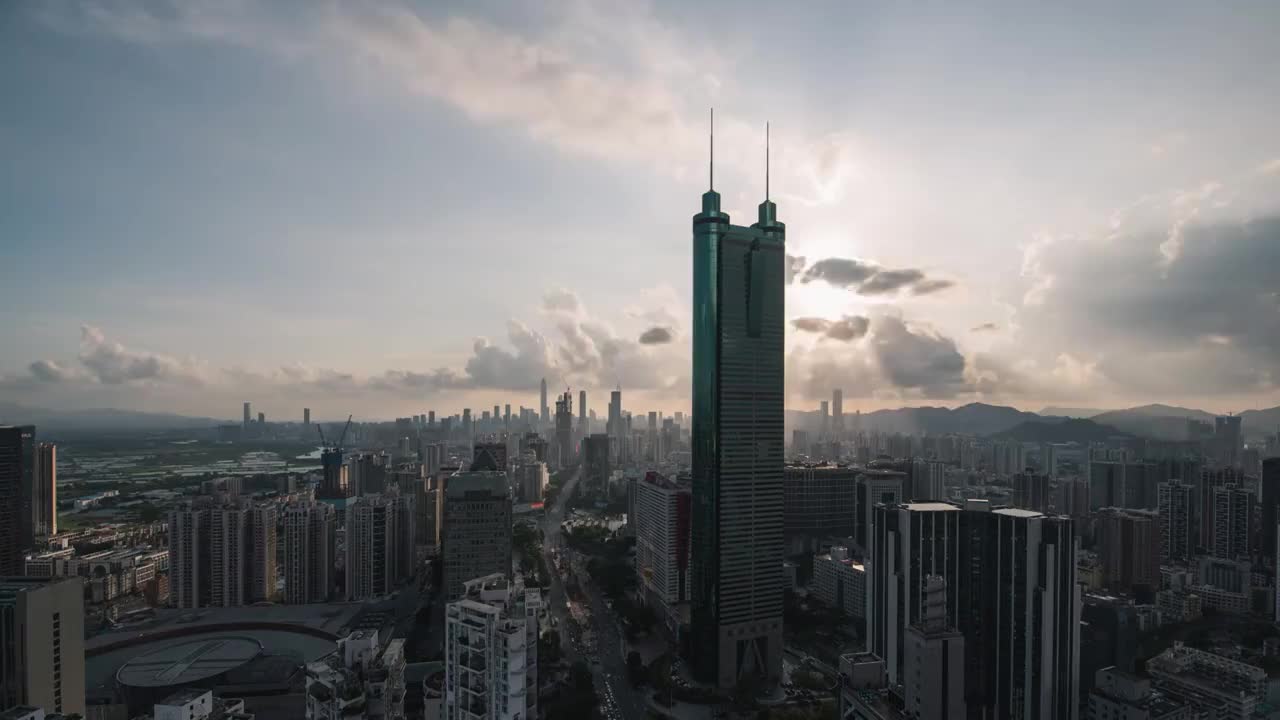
(532, 479)
(1228, 440)
(228, 529)
(477, 529)
(491, 652)
(824, 421)
(662, 525)
(1129, 543)
(1232, 513)
(17, 479)
(309, 552)
(42, 644)
(595, 461)
(44, 497)
(189, 557)
(1031, 491)
(739, 277)
(1177, 531)
(262, 553)
(430, 504)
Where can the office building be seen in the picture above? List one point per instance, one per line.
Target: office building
(1210, 683)
(1232, 512)
(824, 421)
(1119, 695)
(532, 479)
(564, 431)
(44, 497)
(933, 659)
(739, 278)
(1129, 543)
(1021, 624)
(584, 419)
(837, 413)
(544, 413)
(595, 461)
(476, 529)
(306, 416)
(17, 479)
(42, 644)
(875, 487)
(491, 652)
(818, 504)
(1228, 440)
(840, 582)
(248, 417)
(614, 427)
(489, 456)
(310, 552)
(1177, 531)
(662, 525)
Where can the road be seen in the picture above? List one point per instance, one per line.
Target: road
(619, 700)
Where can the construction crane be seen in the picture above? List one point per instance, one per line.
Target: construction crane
(343, 436)
(338, 445)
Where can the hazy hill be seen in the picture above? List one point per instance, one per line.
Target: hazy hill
(1260, 422)
(1163, 422)
(1072, 412)
(95, 418)
(972, 419)
(1071, 430)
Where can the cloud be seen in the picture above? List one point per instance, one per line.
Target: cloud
(111, 363)
(795, 266)
(866, 278)
(51, 372)
(918, 358)
(656, 336)
(985, 327)
(840, 272)
(846, 329)
(561, 300)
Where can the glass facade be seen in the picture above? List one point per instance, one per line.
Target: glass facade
(738, 357)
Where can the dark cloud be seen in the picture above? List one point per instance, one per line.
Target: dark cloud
(846, 329)
(655, 336)
(985, 327)
(1207, 322)
(928, 287)
(840, 272)
(918, 359)
(866, 278)
(890, 281)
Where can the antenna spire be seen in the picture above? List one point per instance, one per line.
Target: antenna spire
(766, 161)
(711, 168)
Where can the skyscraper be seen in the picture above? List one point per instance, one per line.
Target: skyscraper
(1270, 510)
(564, 430)
(739, 275)
(248, 417)
(17, 478)
(262, 545)
(1226, 435)
(1232, 511)
(188, 557)
(544, 413)
(614, 428)
(584, 420)
(824, 421)
(370, 548)
(837, 413)
(44, 500)
(306, 416)
(228, 530)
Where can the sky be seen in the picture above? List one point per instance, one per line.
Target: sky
(382, 208)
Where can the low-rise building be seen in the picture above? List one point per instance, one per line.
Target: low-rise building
(361, 679)
(1208, 681)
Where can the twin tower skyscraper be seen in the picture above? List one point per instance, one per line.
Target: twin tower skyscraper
(739, 283)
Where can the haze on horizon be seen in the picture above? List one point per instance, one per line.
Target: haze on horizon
(385, 208)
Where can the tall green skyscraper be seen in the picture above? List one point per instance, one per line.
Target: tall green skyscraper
(739, 278)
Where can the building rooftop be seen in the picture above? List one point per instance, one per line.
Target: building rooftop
(931, 507)
(464, 483)
(188, 662)
(1018, 512)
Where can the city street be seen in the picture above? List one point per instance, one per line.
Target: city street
(619, 700)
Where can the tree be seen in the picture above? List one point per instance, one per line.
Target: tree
(635, 667)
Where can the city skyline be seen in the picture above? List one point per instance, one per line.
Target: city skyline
(1015, 248)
